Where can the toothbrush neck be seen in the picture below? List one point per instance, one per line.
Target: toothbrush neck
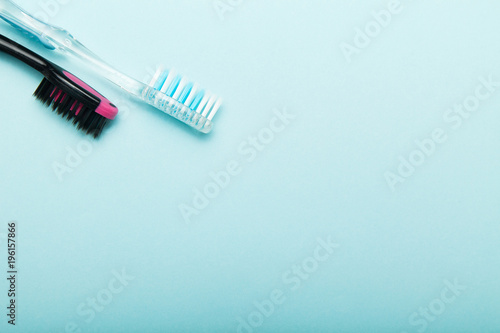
(127, 83)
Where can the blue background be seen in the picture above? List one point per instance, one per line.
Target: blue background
(323, 176)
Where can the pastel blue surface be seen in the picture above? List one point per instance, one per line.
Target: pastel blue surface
(351, 182)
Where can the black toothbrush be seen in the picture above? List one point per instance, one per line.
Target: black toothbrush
(69, 96)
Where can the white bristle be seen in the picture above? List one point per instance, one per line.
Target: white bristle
(192, 94)
(210, 103)
(168, 81)
(215, 109)
(159, 70)
(203, 102)
(180, 88)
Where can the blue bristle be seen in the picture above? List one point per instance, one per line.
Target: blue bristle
(197, 100)
(173, 87)
(185, 93)
(161, 80)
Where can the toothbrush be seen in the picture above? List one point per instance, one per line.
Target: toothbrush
(65, 93)
(167, 91)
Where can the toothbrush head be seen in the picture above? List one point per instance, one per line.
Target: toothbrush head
(182, 99)
(74, 100)
(65, 93)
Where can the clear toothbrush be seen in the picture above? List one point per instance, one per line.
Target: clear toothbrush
(167, 91)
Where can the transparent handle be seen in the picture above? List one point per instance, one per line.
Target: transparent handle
(54, 37)
(34, 28)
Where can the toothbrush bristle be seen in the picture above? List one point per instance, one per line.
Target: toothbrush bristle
(191, 95)
(179, 88)
(202, 104)
(156, 77)
(82, 115)
(216, 108)
(168, 81)
(209, 105)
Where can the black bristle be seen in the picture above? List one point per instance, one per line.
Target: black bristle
(67, 106)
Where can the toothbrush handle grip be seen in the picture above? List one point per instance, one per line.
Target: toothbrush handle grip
(20, 52)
